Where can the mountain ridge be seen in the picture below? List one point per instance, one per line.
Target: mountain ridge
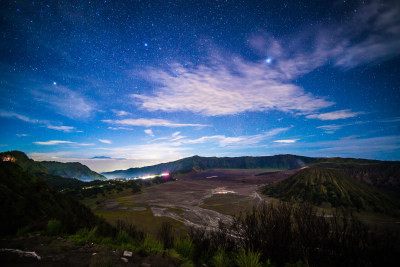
(49, 170)
(71, 170)
(285, 161)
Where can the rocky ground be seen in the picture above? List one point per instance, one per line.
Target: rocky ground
(59, 252)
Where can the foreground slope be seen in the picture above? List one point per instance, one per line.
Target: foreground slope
(267, 162)
(321, 186)
(26, 201)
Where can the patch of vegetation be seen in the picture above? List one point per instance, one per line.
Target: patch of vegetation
(321, 186)
(248, 259)
(144, 220)
(228, 204)
(71, 170)
(26, 200)
(337, 162)
(282, 234)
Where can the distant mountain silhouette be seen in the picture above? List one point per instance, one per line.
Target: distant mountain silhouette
(282, 162)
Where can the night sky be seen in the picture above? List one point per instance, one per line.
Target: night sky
(119, 84)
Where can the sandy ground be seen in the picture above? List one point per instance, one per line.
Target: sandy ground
(189, 192)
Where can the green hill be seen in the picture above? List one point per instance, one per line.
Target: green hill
(23, 161)
(26, 201)
(267, 162)
(338, 162)
(71, 170)
(51, 170)
(321, 186)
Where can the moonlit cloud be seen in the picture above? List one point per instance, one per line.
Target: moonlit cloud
(330, 128)
(214, 88)
(151, 122)
(224, 87)
(105, 141)
(9, 114)
(120, 112)
(286, 141)
(119, 128)
(238, 141)
(53, 142)
(334, 115)
(149, 132)
(373, 34)
(65, 101)
(176, 134)
(61, 128)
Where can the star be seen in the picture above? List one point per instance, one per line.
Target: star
(268, 60)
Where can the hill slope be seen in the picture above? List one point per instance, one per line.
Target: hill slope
(267, 162)
(51, 170)
(26, 201)
(71, 170)
(23, 161)
(320, 186)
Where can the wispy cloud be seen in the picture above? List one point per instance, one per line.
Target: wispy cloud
(371, 35)
(223, 87)
(286, 141)
(214, 87)
(65, 101)
(105, 141)
(53, 142)
(119, 128)
(10, 114)
(151, 122)
(149, 132)
(7, 114)
(334, 115)
(237, 141)
(61, 128)
(331, 128)
(120, 112)
(22, 135)
(176, 134)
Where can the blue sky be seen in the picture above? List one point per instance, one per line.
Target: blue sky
(119, 84)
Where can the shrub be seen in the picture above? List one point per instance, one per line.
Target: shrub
(166, 235)
(221, 259)
(123, 237)
(151, 245)
(184, 247)
(54, 227)
(248, 259)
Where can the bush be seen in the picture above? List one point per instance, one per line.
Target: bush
(54, 227)
(220, 259)
(166, 235)
(184, 247)
(248, 259)
(151, 245)
(295, 233)
(123, 237)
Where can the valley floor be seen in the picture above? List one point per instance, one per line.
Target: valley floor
(195, 199)
(200, 199)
